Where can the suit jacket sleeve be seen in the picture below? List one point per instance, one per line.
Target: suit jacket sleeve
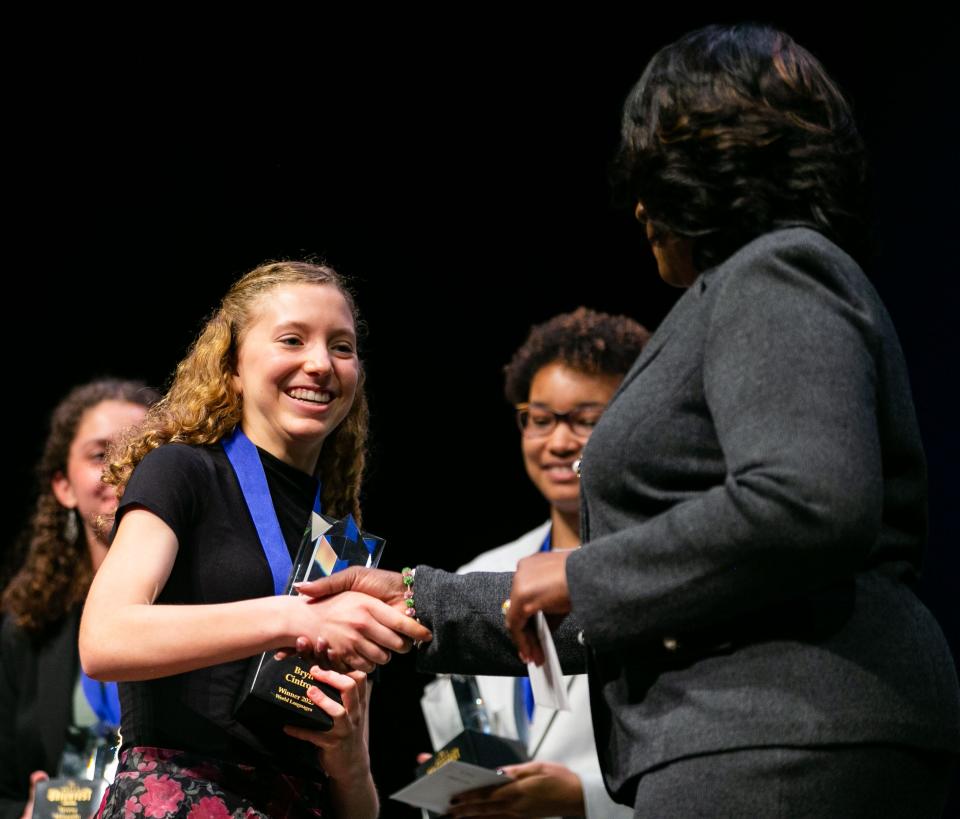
(469, 637)
(789, 380)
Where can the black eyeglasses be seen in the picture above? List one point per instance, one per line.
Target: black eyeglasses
(538, 421)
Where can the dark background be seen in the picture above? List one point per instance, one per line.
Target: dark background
(456, 170)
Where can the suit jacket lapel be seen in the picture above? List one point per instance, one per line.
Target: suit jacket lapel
(659, 339)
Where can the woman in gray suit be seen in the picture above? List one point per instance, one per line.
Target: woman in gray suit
(753, 499)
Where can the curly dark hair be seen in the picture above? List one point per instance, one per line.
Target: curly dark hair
(57, 572)
(584, 340)
(734, 131)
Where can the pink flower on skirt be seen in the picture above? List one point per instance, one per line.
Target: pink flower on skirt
(147, 766)
(131, 806)
(210, 807)
(162, 797)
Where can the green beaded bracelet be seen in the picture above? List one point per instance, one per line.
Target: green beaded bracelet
(407, 575)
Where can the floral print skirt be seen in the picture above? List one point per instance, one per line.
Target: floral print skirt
(158, 783)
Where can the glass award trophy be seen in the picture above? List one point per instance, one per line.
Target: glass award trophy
(275, 692)
(476, 743)
(88, 765)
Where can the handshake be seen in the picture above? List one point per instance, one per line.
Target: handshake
(355, 619)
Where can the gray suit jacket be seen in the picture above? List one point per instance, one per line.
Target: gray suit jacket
(753, 513)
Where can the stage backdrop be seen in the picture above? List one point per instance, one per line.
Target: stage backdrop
(460, 181)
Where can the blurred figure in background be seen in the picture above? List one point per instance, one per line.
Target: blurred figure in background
(46, 704)
(559, 381)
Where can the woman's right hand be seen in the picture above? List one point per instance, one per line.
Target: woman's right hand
(538, 789)
(359, 631)
(126, 635)
(35, 777)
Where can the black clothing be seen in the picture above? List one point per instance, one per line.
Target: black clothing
(37, 677)
(195, 491)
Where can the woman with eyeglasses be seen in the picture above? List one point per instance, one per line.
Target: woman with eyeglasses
(559, 381)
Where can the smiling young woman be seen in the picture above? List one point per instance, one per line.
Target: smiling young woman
(187, 593)
(563, 406)
(297, 371)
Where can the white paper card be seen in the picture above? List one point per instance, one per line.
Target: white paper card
(546, 681)
(434, 791)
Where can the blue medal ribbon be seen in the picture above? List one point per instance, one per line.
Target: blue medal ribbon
(104, 699)
(245, 461)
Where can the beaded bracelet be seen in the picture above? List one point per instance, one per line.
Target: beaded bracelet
(407, 575)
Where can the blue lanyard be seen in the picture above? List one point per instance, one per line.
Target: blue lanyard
(245, 461)
(526, 688)
(104, 699)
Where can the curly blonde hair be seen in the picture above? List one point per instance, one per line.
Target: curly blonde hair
(202, 406)
(56, 572)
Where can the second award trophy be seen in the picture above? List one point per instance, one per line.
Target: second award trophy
(275, 693)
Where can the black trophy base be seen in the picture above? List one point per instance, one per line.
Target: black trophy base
(477, 748)
(67, 798)
(485, 750)
(275, 695)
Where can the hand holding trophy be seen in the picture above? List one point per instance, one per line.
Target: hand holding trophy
(276, 691)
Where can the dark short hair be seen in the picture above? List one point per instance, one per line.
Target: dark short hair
(584, 340)
(734, 131)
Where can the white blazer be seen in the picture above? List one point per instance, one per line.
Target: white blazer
(554, 736)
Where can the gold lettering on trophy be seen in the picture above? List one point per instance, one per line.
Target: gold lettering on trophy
(442, 758)
(70, 794)
(296, 700)
(291, 678)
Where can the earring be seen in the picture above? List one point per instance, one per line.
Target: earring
(71, 529)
